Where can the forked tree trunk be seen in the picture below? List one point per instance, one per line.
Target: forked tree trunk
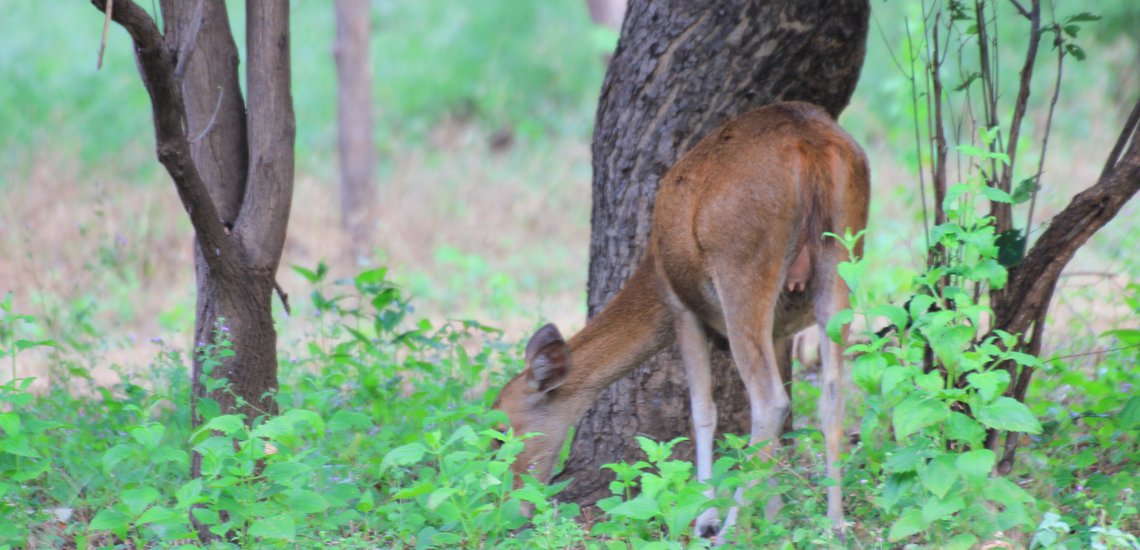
(681, 68)
(233, 171)
(355, 144)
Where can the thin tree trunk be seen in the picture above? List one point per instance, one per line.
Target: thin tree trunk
(681, 68)
(355, 145)
(233, 172)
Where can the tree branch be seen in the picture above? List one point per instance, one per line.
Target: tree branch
(157, 71)
(1032, 281)
(264, 214)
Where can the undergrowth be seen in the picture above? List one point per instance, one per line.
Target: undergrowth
(385, 440)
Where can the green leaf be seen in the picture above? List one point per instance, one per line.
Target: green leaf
(909, 523)
(835, 324)
(989, 384)
(1127, 336)
(278, 527)
(372, 276)
(962, 428)
(1082, 17)
(156, 514)
(403, 455)
(1129, 416)
(917, 412)
(305, 501)
(109, 519)
(895, 314)
(344, 420)
(938, 475)
(114, 456)
(18, 446)
(868, 370)
(640, 508)
(228, 424)
(997, 195)
(975, 466)
(935, 509)
(1024, 190)
(1006, 413)
(138, 499)
(438, 496)
(148, 436)
(28, 344)
(10, 424)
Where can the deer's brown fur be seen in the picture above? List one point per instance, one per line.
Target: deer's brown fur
(737, 220)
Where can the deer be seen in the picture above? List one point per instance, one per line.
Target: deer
(736, 249)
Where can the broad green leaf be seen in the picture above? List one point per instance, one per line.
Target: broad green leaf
(156, 514)
(278, 527)
(113, 456)
(10, 424)
(372, 276)
(835, 324)
(18, 446)
(639, 508)
(964, 541)
(1130, 415)
(938, 475)
(305, 501)
(965, 429)
(344, 419)
(438, 496)
(996, 195)
(917, 412)
(1006, 413)
(148, 436)
(935, 509)
(109, 519)
(989, 384)
(895, 314)
(138, 499)
(893, 376)
(228, 424)
(403, 456)
(909, 523)
(975, 466)
(868, 370)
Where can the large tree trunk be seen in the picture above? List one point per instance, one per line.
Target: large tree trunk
(355, 144)
(233, 171)
(681, 68)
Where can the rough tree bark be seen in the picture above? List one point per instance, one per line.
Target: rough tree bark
(355, 143)
(233, 171)
(680, 69)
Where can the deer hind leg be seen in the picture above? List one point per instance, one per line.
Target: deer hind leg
(693, 342)
(831, 296)
(748, 301)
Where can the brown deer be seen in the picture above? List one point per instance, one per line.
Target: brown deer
(737, 247)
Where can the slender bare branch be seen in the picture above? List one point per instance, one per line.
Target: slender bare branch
(106, 27)
(1003, 212)
(1048, 128)
(264, 214)
(186, 49)
(156, 67)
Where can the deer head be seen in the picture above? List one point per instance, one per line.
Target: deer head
(534, 403)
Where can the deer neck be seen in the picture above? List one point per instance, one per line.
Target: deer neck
(631, 328)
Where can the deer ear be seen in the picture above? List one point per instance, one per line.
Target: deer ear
(547, 359)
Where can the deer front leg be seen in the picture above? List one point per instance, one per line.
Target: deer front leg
(692, 340)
